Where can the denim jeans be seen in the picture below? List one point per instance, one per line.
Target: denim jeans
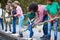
(30, 29)
(45, 26)
(55, 25)
(1, 21)
(14, 25)
(21, 18)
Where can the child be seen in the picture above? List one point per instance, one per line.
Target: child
(53, 9)
(20, 16)
(31, 18)
(7, 18)
(13, 9)
(1, 17)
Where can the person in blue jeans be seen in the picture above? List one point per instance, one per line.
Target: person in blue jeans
(1, 17)
(13, 18)
(45, 26)
(30, 29)
(1, 21)
(53, 10)
(31, 17)
(20, 16)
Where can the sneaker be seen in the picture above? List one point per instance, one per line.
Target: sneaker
(6, 30)
(21, 35)
(55, 38)
(48, 38)
(13, 32)
(10, 30)
(43, 36)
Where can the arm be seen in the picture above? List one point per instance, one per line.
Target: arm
(39, 17)
(18, 11)
(33, 19)
(29, 20)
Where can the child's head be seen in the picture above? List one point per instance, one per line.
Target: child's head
(16, 3)
(7, 7)
(33, 6)
(28, 10)
(12, 6)
(0, 5)
(9, 3)
(49, 1)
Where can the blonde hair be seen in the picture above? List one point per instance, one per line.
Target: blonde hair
(17, 2)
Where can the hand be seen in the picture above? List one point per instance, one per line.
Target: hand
(32, 20)
(15, 15)
(30, 23)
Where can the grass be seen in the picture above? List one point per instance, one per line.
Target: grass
(59, 28)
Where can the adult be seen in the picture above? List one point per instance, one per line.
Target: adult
(42, 16)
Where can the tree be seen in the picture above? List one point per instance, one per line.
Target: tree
(25, 3)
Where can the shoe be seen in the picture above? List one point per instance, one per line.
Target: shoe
(10, 30)
(13, 32)
(43, 36)
(48, 38)
(6, 30)
(21, 35)
(55, 38)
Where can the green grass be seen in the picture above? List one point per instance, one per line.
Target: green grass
(59, 28)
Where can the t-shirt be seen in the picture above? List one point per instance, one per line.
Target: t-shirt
(1, 12)
(52, 8)
(13, 13)
(6, 15)
(19, 11)
(31, 15)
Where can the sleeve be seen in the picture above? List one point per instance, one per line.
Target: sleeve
(58, 6)
(40, 17)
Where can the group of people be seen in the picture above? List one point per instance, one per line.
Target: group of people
(36, 13)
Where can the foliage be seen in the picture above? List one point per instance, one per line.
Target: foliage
(23, 3)
(59, 28)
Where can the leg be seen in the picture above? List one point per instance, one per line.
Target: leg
(55, 29)
(45, 29)
(14, 25)
(49, 30)
(6, 26)
(30, 29)
(45, 26)
(2, 24)
(21, 18)
(9, 26)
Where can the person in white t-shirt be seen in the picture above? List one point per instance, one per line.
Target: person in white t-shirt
(1, 17)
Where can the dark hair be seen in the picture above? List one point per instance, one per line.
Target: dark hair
(33, 6)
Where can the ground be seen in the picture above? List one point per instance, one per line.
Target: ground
(36, 35)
